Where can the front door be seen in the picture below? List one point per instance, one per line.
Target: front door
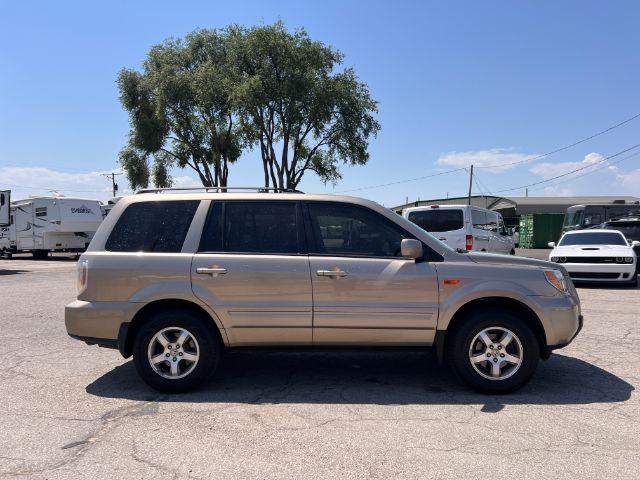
(251, 269)
(364, 291)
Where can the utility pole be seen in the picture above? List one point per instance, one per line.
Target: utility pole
(114, 185)
(470, 183)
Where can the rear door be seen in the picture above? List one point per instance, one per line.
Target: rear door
(253, 271)
(446, 224)
(364, 291)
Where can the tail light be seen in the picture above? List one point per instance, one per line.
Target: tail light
(469, 242)
(83, 273)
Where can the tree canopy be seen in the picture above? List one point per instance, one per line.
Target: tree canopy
(180, 111)
(200, 101)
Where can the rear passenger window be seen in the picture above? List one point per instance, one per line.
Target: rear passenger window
(251, 227)
(152, 227)
(479, 219)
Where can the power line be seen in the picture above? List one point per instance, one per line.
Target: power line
(569, 173)
(592, 171)
(403, 181)
(566, 147)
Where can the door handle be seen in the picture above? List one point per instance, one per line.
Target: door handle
(211, 271)
(331, 273)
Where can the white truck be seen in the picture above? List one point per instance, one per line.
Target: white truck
(49, 224)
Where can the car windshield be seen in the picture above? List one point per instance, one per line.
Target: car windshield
(437, 220)
(630, 230)
(592, 238)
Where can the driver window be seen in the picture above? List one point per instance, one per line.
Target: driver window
(342, 229)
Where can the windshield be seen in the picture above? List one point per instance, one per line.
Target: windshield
(592, 238)
(573, 218)
(437, 220)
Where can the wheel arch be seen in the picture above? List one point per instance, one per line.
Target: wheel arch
(484, 304)
(129, 330)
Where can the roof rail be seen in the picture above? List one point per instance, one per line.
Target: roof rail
(219, 189)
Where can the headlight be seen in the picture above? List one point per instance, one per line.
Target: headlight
(555, 259)
(556, 278)
(628, 259)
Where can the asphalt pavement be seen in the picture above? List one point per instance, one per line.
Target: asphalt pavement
(72, 411)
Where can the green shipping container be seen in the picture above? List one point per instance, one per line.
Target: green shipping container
(538, 229)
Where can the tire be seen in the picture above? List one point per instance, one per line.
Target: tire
(40, 254)
(634, 281)
(512, 252)
(173, 372)
(466, 343)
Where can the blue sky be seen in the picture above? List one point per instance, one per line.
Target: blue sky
(457, 82)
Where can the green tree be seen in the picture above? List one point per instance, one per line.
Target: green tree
(302, 113)
(180, 111)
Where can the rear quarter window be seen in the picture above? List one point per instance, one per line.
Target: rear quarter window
(152, 227)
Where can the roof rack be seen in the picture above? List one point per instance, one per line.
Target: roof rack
(220, 189)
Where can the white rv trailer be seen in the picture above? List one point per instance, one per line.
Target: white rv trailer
(48, 224)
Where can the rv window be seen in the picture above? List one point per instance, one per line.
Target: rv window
(152, 227)
(41, 211)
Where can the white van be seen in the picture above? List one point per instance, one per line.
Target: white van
(464, 226)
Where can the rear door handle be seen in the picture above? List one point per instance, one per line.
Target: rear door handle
(211, 271)
(331, 273)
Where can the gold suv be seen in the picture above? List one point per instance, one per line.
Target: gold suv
(174, 278)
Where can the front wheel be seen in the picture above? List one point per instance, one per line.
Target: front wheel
(175, 351)
(493, 352)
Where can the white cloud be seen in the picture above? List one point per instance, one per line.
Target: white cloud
(630, 180)
(592, 161)
(503, 158)
(26, 181)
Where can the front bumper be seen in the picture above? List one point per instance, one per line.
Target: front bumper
(598, 272)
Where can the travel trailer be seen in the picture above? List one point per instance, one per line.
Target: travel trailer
(5, 202)
(49, 224)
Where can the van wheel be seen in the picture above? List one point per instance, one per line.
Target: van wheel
(175, 351)
(493, 352)
(40, 254)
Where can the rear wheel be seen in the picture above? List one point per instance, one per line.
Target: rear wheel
(41, 254)
(493, 352)
(176, 351)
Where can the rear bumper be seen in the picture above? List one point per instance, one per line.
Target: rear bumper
(97, 322)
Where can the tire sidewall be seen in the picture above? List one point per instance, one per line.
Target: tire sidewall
(466, 332)
(209, 350)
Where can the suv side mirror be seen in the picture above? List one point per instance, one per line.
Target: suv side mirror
(552, 244)
(635, 243)
(411, 248)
